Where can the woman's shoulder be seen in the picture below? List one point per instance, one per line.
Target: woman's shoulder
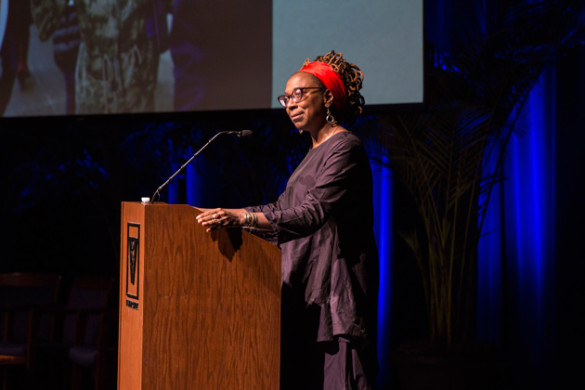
(345, 140)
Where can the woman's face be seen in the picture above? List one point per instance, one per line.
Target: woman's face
(309, 113)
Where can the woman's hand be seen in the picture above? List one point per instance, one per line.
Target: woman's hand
(214, 219)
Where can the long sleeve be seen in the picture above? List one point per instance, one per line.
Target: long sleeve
(321, 185)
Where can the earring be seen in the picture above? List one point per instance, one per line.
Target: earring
(329, 117)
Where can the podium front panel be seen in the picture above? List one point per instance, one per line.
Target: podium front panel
(205, 309)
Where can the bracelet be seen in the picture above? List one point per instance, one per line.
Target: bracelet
(250, 219)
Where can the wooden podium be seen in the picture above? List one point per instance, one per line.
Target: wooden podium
(198, 310)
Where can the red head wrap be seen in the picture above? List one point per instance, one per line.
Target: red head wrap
(330, 79)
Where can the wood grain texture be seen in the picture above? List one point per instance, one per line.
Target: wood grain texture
(210, 306)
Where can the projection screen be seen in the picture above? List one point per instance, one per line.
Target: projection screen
(131, 56)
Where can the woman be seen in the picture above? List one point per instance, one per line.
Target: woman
(323, 224)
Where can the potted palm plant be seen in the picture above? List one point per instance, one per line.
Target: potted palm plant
(439, 153)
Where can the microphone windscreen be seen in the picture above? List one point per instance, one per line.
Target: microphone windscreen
(245, 133)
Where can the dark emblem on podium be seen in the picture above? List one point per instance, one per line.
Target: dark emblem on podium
(133, 264)
(132, 254)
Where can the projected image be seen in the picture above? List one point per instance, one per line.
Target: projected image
(81, 57)
(127, 56)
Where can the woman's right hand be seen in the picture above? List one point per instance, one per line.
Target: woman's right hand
(218, 218)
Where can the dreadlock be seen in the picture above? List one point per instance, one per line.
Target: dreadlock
(352, 77)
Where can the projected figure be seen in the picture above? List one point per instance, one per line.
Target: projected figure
(14, 52)
(219, 46)
(23, 39)
(121, 42)
(187, 56)
(66, 40)
(323, 222)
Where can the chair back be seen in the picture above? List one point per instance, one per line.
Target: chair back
(92, 295)
(20, 294)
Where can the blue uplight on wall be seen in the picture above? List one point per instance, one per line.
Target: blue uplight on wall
(530, 236)
(520, 228)
(383, 203)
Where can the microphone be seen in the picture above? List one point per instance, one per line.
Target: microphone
(237, 133)
(244, 133)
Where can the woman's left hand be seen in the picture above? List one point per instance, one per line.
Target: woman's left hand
(214, 219)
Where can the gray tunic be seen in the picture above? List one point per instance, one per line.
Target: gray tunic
(323, 222)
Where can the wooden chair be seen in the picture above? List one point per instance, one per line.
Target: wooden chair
(94, 355)
(95, 335)
(21, 294)
(77, 322)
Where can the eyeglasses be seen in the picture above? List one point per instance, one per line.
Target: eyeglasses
(296, 96)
